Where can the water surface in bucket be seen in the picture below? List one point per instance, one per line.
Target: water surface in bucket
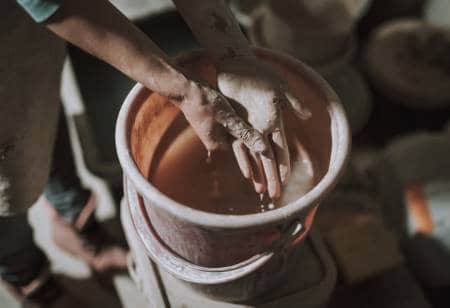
(185, 174)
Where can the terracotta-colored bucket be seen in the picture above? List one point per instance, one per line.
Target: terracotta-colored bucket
(213, 249)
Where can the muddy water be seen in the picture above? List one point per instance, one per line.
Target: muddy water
(185, 174)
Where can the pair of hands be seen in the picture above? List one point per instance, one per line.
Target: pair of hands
(248, 107)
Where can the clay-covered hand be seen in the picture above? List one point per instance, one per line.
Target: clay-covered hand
(259, 94)
(213, 118)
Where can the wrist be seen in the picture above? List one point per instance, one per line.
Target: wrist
(166, 79)
(178, 84)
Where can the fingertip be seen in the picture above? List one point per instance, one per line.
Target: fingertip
(282, 155)
(284, 167)
(272, 178)
(274, 193)
(285, 172)
(259, 187)
(274, 188)
(259, 181)
(246, 173)
(242, 158)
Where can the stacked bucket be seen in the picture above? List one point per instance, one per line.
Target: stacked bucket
(229, 260)
(320, 33)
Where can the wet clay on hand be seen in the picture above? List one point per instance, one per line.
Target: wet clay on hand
(259, 94)
(175, 161)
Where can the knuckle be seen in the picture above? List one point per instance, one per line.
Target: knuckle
(245, 134)
(256, 144)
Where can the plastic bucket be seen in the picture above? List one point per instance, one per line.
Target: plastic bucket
(207, 249)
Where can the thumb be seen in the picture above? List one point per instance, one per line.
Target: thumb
(301, 111)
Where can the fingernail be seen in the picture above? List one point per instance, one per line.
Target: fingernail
(245, 172)
(274, 189)
(274, 193)
(284, 174)
(259, 188)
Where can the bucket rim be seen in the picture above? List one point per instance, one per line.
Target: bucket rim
(340, 148)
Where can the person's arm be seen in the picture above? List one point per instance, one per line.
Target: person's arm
(251, 84)
(101, 30)
(97, 27)
(215, 27)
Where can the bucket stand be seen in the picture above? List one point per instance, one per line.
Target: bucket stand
(310, 282)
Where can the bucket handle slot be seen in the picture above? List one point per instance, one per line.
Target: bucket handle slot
(133, 271)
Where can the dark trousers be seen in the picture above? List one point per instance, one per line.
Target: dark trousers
(20, 259)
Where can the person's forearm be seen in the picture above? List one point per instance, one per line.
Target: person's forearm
(214, 25)
(98, 28)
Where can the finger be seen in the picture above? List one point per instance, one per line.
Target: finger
(301, 111)
(281, 150)
(238, 128)
(212, 134)
(271, 174)
(259, 181)
(241, 154)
